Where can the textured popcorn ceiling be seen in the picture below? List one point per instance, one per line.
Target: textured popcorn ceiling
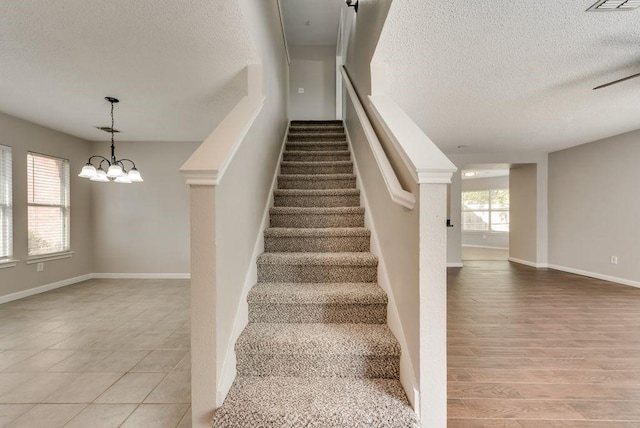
(323, 17)
(177, 66)
(512, 75)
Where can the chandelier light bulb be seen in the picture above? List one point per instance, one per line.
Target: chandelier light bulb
(134, 176)
(88, 171)
(101, 176)
(123, 180)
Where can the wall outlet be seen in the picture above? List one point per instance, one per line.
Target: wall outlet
(40, 267)
(301, 90)
(614, 260)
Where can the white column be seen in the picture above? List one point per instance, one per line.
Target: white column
(433, 305)
(203, 306)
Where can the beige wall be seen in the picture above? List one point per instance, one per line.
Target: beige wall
(523, 222)
(143, 227)
(314, 69)
(24, 136)
(594, 205)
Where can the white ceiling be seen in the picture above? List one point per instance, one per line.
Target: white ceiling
(177, 66)
(514, 75)
(323, 17)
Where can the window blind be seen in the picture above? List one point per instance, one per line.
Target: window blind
(6, 202)
(48, 204)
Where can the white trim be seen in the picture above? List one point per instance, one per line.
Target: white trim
(422, 158)
(407, 373)
(43, 288)
(486, 246)
(396, 192)
(8, 263)
(228, 372)
(455, 264)
(49, 257)
(603, 277)
(528, 263)
(284, 33)
(141, 275)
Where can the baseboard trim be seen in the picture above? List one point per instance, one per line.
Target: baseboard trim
(528, 263)
(44, 288)
(455, 264)
(595, 275)
(485, 246)
(141, 275)
(228, 373)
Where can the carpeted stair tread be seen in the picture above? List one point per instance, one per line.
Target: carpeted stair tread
(365, 293)
(316, 163)
(340, 146)
(291, 402)
(317, 210)
(318, 259)
(305, 232)
(317, 192)
(318, 339)
(316, 177)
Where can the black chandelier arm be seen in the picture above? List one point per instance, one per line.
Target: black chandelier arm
(128, 160)
(100, 157)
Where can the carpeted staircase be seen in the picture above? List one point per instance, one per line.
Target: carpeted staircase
(317, 351)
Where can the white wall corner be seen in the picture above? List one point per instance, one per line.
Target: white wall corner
(241, 320)
(408, 377)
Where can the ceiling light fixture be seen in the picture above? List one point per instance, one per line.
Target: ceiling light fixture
(614, 5)
(469, 173)
(116, 171)
(353, 4)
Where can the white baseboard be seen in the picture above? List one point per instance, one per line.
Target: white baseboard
(228, 373)
(44, 288)
(455, 264)
(70, 281)
(609, 278)
(485, 246)
(407, 373)
(141, 275)
(528, 263)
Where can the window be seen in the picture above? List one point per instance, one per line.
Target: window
(6, 209)
(48, 204)
(485, 210)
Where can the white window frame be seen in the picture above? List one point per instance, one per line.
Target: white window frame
(490, 210)
(6, 207)
(65, 207)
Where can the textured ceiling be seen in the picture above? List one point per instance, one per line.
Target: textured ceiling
(512, 75)
(177, 66)
(323, 17)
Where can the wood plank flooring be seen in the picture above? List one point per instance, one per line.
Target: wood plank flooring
(532, 348)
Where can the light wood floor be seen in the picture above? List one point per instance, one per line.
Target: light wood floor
(478, 253)
(541, 348)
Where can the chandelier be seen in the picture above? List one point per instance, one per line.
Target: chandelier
(116, 171)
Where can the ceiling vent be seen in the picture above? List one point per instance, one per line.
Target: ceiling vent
(614, 5)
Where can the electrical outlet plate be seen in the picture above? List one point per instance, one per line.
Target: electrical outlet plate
(301, 90)
(614, 260)
(40, 267)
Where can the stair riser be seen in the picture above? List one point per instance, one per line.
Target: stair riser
(313, 273)
(316, 147)
(317, 201)
(333, 244)
(319, 129)
(311, 157)
(334, 136)
(342, 366)
(342, 183)
(295, 123)
(313, 169)
(320, 313)
(317, 220)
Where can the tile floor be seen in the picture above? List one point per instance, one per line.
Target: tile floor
(102, 353)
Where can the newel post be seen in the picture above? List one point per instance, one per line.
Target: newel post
(433, 303)
(203, 305)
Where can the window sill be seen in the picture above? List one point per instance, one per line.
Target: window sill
(49, 257)
(483, 232)
(8, 263)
